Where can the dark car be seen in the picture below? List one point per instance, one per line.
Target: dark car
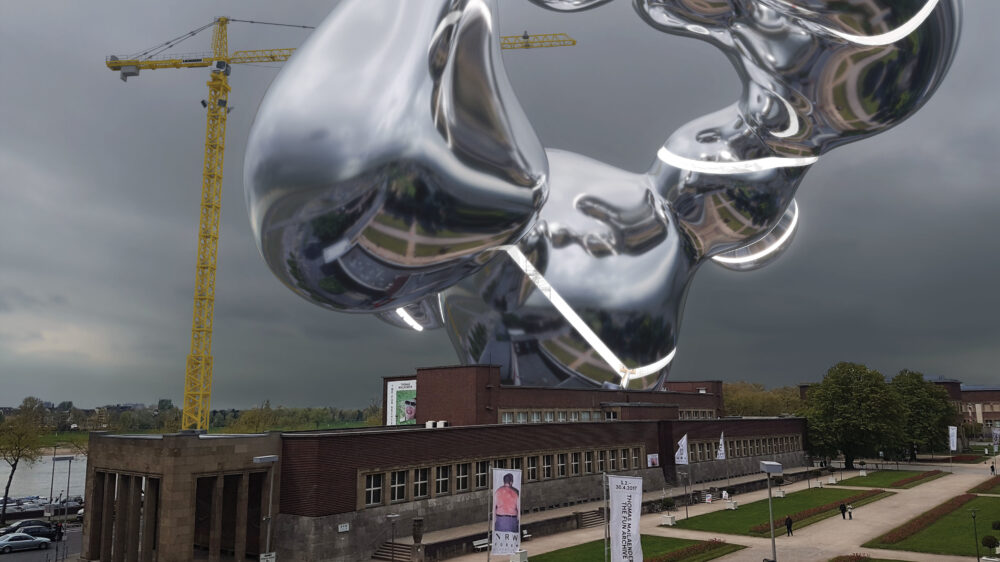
(16, 527)
(40, 531)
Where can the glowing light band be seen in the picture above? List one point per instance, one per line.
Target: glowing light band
(770, 249)
(402, 313)
(737, 167)
(890, 37)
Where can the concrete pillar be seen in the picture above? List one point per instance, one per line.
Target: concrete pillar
(134, 515)
(120, 542)
(242, 503)
(215, 536)
(107, 514)
(93, 516)
(150, 517)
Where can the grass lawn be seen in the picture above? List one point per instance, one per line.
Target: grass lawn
(739, 521)
(66, 438)
(651, 546)
(952, 534)
(883, 478)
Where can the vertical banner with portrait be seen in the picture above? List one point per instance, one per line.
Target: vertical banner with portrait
(401, 402)
(953, 437)
(996, 439)
(506, 519)
(625, 494)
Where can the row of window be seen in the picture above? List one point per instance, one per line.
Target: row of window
(425, 482)
(699, 451)
(696, 414)
(551, 416)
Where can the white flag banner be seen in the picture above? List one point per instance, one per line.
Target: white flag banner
(953, 437)
(996, 439)
(681, 456)
(625, 494)
(506, 528)
(721, 454)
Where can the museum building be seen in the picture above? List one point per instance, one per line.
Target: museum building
(184, 496)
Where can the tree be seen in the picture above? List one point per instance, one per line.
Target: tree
(164, 404)
(65, 406)
(752, 399)
(853, 411)
(927, 411)
(20, 441)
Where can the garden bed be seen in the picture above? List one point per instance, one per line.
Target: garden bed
(945, 529)
(654, 549)
(991, 486)
(893, 478)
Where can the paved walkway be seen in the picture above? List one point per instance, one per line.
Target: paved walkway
(817, 542)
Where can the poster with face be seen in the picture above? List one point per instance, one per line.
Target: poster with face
(506, 528)
(401, 402)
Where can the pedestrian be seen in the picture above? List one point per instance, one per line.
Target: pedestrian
(850, 512)
(993, 469)
(59, 531)
(843, 511)
(788, 525)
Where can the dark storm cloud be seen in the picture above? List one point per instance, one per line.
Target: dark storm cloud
(893, 265)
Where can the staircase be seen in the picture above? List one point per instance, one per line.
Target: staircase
(393, 551)
(591, 519)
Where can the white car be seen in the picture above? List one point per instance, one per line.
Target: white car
(20, 541)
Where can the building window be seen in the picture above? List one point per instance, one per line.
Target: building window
(532, 468)
(500, 463)
(420, 476)
(574, 416)
(575, 464)
(612, 460)
(611, 415)
(482, 471)
(595, 416)
(397, 486)
(588, 462)
(601, 459)
(561, 465)
(536, 417)
(547, 466)
(701, 452)
(515, 463)
(462, 477)
(442, 480)
(522, 417)
(373, 489)
(636, 455)
(507, 417)
(561, 416)
(585, 416)
(693, 452)
(550, 417)
(624, 459)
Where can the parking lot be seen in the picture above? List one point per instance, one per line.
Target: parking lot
(68, 547)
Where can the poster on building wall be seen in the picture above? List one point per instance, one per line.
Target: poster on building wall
(953, 437)
(625, 495)
(401, 402)
(653, 459)
(506, 526)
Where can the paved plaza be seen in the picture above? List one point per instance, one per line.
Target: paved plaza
(817, 542)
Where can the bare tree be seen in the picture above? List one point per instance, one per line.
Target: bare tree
(20, 441)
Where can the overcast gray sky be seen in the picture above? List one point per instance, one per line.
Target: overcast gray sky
(894, 264)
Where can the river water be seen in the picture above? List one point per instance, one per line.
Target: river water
(34, 480)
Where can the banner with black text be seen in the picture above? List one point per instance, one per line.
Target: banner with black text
(625, 494)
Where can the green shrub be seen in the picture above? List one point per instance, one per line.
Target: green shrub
(996, 525)
(989, 541)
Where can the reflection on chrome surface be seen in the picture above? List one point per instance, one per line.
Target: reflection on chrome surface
(390, 170)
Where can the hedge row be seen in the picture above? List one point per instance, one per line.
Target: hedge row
(688, 551)
(856, 557)
(987, 486)
(805, 514)
(924, 520)
(909, 480)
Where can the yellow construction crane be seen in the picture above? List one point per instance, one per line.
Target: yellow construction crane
(198, 372)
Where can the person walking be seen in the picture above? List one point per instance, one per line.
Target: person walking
(788, 525)
(993, 469)
(843, 511)
(850, 512)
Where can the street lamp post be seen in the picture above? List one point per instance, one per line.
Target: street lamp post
(52, 482)
(392, 517)
(769, 468)
(975, 532)
(270, 460)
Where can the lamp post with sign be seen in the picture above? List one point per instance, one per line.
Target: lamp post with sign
(267, 555)
(769, 468)
(392, 517)
(52, 482)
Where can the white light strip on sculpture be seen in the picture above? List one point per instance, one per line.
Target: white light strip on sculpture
(579, 325)
(793, 121)
(892, 36)
(402, 313)
(737, 167)
(770, 249)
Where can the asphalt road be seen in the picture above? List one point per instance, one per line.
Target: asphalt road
(70, 546)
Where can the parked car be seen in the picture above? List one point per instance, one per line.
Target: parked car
(79, 516)
(16, 527)
(20, 541)
(47, 532)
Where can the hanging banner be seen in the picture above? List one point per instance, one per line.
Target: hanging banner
(996, 439)
(953, 437)
(401, 402)
(681, 456)
(721, 454)
(625, 494)
(506, 527)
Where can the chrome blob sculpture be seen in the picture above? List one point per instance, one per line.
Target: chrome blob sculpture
(390, 170)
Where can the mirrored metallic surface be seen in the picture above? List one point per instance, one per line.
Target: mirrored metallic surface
(403, 179)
